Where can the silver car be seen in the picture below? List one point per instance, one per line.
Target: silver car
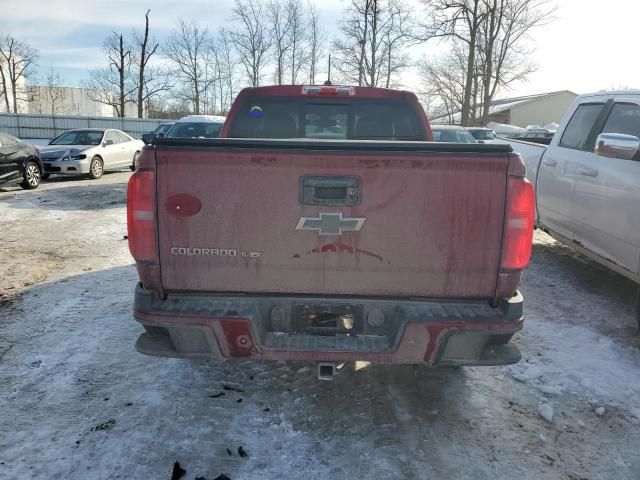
(90, 151)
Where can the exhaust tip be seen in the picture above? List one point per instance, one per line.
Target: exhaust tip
(326, 371)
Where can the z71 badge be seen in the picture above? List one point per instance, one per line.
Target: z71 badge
(213, 252)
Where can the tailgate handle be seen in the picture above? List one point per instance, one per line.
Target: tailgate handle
(330, 190)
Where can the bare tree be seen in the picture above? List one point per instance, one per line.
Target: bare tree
(157, 80)
(188, 47)
(462, 20)
(398, 34)
(300, 48)
(56, 92)
(280, 23)
(316, 40)
(492, 33)
(151, 80)
(443, 82)
(375, 34)
(224, 71)
(229, 64)
(504, 56)
(17, 62)
(113, 85)
(351, 48)
(251, 38)
(209, 98)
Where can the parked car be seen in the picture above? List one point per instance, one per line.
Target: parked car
(90, 151)
(536, 135)
(276, 242)
(162, 129)
(588, 180)
(19, 162)
(452, 133)
(482, 135)
(196, 126)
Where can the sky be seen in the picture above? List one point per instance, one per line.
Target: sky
(587, 46)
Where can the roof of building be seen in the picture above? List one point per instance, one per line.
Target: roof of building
(501, 105)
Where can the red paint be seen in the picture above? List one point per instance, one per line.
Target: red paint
(182, 205)
(339, 247)
(237, 332)
(441, 231)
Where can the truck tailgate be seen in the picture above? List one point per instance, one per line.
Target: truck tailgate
(429, 222)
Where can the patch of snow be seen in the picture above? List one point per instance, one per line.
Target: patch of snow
(551, 389)
(525, 372)
(604, 370)
(546, 411)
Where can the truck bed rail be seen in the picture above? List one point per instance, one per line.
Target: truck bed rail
(307, 145)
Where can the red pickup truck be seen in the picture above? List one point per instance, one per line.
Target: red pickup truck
(325, 225)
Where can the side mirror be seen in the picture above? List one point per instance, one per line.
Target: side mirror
(107, 143)
(617, 145)
(160, 135)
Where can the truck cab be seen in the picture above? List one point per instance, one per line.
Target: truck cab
(588, 180)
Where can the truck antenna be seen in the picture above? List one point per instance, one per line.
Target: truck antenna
(328, 80)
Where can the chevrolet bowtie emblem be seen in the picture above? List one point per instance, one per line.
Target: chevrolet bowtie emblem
(330, 224)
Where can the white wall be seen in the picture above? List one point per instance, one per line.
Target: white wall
(543, 110)
(66, 101)
(21, 91)
(71, 101)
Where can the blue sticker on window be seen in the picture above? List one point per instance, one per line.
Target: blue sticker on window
(256, 111)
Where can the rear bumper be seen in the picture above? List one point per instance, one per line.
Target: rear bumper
(412, 331)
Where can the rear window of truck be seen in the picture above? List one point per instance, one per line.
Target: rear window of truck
(336, 119)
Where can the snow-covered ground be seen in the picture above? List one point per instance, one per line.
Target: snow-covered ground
(78, 402)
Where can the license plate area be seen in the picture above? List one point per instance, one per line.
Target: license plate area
(327, 320)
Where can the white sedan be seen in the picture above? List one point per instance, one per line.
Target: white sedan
(90, 151)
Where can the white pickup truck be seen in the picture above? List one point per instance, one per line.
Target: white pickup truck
(588, 180)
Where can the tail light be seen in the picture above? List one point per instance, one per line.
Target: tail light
(141, 216)
(518, 231)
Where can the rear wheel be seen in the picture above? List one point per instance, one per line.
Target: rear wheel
(134, 164)
(31, 176)
(96, 168)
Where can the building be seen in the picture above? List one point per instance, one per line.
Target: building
(45, 100)
(540, 109)
(21, 90)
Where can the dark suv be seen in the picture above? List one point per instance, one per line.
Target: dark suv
(162, 129)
